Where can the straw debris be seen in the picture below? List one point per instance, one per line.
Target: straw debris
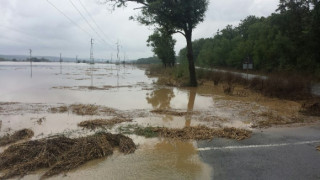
(16, 136)
(81, 109)
(203, 133)
(100, 123)
(60, 154)
(273, 119)
(170, 112)
(60, 109)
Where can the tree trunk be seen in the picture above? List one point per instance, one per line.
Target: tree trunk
(192, 71)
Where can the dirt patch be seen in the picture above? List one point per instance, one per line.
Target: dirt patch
(170, 112)
(60, 154)
(16, 136)
(203, 133)
(274, 119)
(100, 123)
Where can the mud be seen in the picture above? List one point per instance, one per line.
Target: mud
(60, 154)
(16, 136)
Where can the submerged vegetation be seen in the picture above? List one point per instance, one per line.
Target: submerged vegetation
(16, 136)
(60, 154)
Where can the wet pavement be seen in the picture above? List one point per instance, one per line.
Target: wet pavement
(277, 153)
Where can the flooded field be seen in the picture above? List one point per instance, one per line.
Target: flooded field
(45, 103)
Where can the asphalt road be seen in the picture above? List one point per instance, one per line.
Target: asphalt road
(278, 153)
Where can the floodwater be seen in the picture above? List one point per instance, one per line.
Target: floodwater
(26, 99)
(124, 88)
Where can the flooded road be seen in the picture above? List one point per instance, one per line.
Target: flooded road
(27, 102)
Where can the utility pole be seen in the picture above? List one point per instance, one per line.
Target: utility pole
(30, 51)
(60, 64)
(91, 53)
(118, 46)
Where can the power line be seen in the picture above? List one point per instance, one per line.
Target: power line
(94, 21)
(88, 22)
(69, 18)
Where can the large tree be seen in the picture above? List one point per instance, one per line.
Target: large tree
(177, 16)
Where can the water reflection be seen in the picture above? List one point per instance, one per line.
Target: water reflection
(161, 98)
(192, 98)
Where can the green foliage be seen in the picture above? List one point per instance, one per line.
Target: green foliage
(175, 17)
(162, 45)
(287, 40)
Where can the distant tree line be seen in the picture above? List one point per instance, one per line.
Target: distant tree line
(289, 40)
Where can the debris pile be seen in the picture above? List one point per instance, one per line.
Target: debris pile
(60, 154)
(170, 112)
(203, 133)
(100, 123)
(81, 109)
(273, 119)
(16, 136)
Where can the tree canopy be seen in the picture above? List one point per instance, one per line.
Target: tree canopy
(175, 16)
(287, 40)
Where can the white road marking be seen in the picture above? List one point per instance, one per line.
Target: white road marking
(257, 146)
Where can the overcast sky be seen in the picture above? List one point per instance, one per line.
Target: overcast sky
(37, 25)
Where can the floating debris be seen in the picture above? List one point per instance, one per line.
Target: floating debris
(99, 123)
(81, 109)
(60, 109)
(60, 154)
(170, 112)
(16, 136)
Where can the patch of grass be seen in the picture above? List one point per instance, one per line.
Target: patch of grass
(16, 136)
(147, 132)
(60, 154)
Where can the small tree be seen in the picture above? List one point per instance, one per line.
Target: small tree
(181, 16)
(162, 45)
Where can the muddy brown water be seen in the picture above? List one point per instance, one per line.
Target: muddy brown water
(132, 94)
(125, 88)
